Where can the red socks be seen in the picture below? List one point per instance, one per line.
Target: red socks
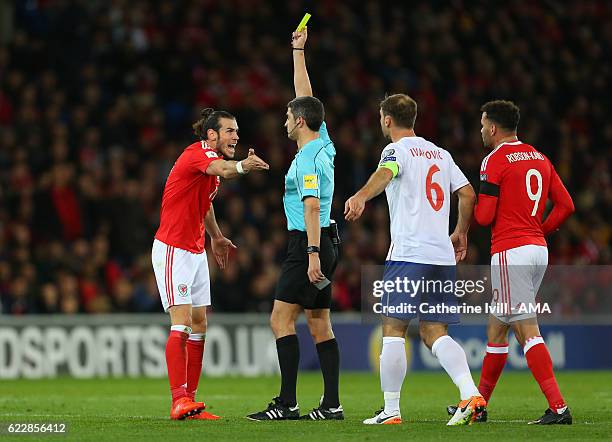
(176, 360)
(492, 367)
(195, 352)
(540, 364)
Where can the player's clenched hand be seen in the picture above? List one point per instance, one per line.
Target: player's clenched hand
(459, 241)
(298, 39)
(253, 162)
(353, 208)
(220, 248)
(314, 268)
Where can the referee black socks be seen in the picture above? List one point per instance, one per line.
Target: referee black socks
(288, 350)
(289, 358)
(329, 358)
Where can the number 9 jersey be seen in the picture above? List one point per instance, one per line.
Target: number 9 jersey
(424, 177)
(515, 182)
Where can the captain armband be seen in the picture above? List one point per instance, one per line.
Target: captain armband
(391, 165)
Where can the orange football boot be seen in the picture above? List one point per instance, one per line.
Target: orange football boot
(205, 416)
(480, 405)
(468, 410)
(185, 407)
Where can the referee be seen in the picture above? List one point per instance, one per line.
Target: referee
(312, 253)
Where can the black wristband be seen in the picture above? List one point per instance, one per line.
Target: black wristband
(312, 249)
(298, 49)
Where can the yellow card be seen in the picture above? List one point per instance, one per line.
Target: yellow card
(302, 24)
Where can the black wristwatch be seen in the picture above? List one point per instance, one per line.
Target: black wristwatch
(312, 249)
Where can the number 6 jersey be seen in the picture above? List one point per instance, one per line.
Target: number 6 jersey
(424, 177)
(515, 182)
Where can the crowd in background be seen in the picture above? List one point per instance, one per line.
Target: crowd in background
(97, 99)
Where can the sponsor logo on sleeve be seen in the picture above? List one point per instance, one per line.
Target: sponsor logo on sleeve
(211, 154)
(385, 159)
(311, 182)
(483, 177)
(388, 152)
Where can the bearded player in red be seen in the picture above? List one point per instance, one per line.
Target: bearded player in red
(179, 259)
(515, 182)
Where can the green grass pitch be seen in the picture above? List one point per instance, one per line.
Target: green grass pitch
(137, 409)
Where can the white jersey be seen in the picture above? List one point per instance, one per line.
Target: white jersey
(419, 198)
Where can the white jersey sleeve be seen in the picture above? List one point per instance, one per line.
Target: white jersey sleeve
(457, 178)
(393, 159)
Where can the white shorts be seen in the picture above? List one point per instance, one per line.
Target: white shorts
(516, 275)
(182, 277)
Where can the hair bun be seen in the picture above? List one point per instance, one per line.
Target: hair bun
(205, 113)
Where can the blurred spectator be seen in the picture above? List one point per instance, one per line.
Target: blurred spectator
(97, 99)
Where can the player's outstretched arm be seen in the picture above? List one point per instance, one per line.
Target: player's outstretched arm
(354, 206)
(467, 199)
(301, 81)
(220, 245)
(232, 169)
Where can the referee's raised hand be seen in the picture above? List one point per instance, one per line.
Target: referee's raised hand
(298, 39)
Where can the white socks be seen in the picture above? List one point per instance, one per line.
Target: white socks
(393, 369)
(453, 360)
(392, 372)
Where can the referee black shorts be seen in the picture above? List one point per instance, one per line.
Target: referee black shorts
(293, 286)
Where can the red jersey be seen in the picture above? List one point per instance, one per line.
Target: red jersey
(187, 197)
(516, 181)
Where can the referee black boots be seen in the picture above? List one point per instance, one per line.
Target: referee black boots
(320, 414)
(277, 410)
